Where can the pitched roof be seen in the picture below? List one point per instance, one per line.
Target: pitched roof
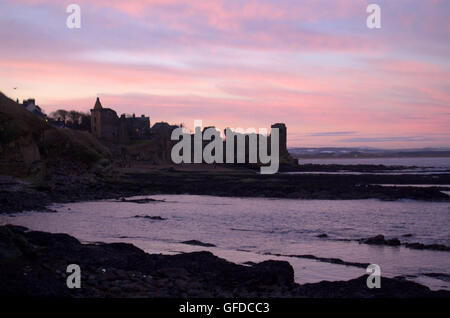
(98, 105)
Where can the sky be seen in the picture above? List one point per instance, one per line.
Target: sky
(312, 64)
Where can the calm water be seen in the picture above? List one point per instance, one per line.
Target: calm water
(244, 229)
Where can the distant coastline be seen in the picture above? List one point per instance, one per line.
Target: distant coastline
(361, 153)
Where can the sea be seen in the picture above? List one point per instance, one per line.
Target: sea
(245, 230)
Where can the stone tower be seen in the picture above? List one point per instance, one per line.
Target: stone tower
(104, 123)
(283, 137)
(96, 116)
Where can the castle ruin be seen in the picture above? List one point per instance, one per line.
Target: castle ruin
(107, 126)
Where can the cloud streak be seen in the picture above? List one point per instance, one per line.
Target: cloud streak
(332, 133)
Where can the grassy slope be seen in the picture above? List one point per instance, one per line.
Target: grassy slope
(17, 122)
(21, 129)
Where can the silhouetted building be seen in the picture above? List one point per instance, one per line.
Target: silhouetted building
(107, 126)
(30, 105)
(282, 131)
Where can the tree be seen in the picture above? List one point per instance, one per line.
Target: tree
(73, 119)
(60, 114)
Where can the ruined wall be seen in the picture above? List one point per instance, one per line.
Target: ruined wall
(285, 157)
(107, 126)
(136, 127)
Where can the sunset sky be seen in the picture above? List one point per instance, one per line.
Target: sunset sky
(312, 64)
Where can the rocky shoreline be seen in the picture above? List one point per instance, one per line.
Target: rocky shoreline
(18, 196)
(381, 240)
(34, 264)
